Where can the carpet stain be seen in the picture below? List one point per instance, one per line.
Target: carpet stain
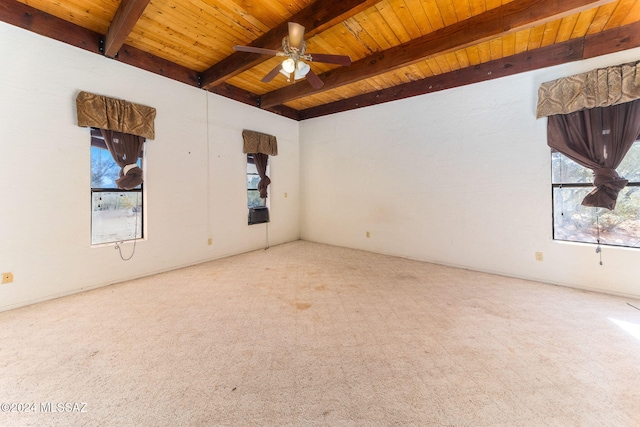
(302, 305)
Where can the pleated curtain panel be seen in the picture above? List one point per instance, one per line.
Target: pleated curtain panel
(125, 127)
(594, 118)
(260, 146)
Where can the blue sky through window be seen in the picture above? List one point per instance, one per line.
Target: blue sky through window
(104, 170)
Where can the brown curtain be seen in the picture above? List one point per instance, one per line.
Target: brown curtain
(598, 139)
(260, 161)
(125, 150)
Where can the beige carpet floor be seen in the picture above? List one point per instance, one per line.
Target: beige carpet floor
(305, 334)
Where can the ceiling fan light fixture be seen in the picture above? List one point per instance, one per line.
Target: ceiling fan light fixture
(289, 65)
(302, 69)
(294, 48)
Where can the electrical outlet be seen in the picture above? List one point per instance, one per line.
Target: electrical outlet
(209, 241)
(539, 256)
(7, 278)
(368, 234)
(285, 195)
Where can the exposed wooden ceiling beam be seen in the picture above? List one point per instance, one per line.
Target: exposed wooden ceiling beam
(123, 22)
(589, 46)
(241, 95)
(317, 17)
(610, 41)
(622, 38)
(512, 17)
(44, 24)
(154, 64)
(548, 56)
(27, 17)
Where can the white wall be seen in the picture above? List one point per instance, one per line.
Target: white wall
(458, 177)
(195, 172)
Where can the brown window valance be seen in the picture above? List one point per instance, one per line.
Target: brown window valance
(256, 142)
(115, 114)
(601, 87)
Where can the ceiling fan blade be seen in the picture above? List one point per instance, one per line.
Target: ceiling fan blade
(330, 59)
(259, 50)
(296, 35)
(314, 80)
(272, 74)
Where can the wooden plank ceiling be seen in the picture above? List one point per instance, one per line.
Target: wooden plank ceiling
(399, 48)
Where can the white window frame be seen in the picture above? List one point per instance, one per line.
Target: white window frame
(126, 234)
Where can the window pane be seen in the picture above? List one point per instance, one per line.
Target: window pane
(253, 195)
(116, 216)
(630, 165)
(564, 170)
(574, 222)
(251, 168)
(104, 170)
(254, 200)
(252, 182)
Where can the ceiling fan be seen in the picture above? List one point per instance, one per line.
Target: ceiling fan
(294, 66)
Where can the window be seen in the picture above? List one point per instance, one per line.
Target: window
(116, 215)
(576, 223)
(258, 211)
(253, 178)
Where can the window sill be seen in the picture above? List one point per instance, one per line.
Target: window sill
(594, 244)
(121, 243)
